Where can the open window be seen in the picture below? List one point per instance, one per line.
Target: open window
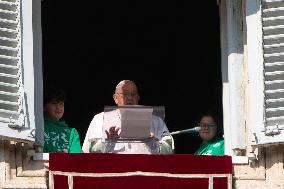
(173, 58)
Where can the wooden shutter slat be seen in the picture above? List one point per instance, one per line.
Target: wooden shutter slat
(273, 48)
(10, 63)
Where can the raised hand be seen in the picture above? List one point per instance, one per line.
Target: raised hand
(112, 133)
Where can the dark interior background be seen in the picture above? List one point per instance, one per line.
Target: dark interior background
(171, 49)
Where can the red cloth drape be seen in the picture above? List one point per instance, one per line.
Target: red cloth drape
(122, 163)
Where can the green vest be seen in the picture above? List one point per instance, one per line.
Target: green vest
(58, 137)
(214, 147)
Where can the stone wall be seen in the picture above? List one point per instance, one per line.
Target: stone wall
(266, 172)
(18, 169)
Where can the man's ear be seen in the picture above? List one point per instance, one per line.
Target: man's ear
(114, 96)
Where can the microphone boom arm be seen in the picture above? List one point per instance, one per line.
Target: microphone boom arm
(192, 130)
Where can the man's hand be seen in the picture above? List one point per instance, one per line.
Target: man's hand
(112, 133)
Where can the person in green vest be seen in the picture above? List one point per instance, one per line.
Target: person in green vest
(58, 136)
(211, 144)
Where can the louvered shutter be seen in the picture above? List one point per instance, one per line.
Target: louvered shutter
(16, 110)
(273, 57)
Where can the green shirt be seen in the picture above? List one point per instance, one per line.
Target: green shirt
(214, 147)
(58, 137)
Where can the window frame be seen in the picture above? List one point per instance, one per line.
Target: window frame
(232, 56)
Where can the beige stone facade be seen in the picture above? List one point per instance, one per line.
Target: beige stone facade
(18, 169)
(266, 172)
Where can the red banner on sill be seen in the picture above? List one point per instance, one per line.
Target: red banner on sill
(140, 171)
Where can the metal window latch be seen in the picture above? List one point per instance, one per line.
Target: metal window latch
(17, 123)
(272, 130)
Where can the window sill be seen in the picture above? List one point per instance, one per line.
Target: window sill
(41, 157)
(237, 160)
(240, 160)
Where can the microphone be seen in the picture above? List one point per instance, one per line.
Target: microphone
(192, 130)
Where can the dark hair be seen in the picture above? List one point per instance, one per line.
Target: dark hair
(208, 113)
(53, 95)
(217, 120)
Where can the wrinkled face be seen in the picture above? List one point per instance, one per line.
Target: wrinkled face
(126, 94)
(54, 109)
(208, 128)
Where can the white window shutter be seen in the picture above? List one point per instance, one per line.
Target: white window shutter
(273, 58)
(16, 68)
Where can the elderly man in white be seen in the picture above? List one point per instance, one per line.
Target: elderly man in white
(126, 94)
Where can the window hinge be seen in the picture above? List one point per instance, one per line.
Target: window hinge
(252, 157)
(272, 130)
(32, 133)
(254, 139)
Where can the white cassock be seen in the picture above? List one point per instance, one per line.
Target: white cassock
(96, 132)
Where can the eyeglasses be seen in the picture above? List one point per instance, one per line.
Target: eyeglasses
(210, 125)
(128, 94)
